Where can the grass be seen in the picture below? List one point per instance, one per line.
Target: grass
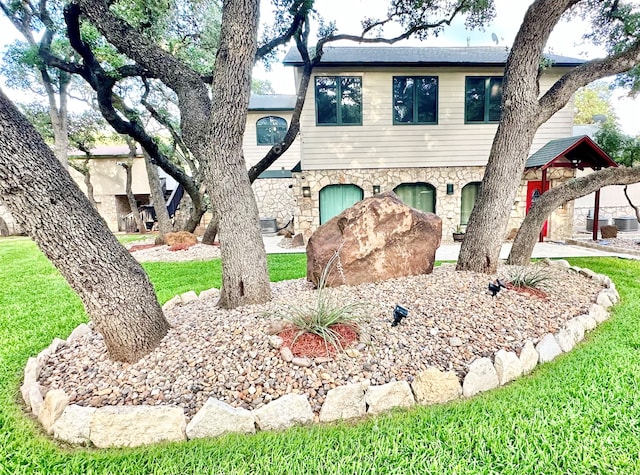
(577, 415)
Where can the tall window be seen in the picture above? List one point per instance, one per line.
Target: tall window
(420, 196)
(470, 193)
(270, 130)
(338, 100)
(415, 100)
(483, 97)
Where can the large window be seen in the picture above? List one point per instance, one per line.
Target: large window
(270, 130)
(483, 97)
(415, 100)
(420, 196)
(338, 100)
(470, 193)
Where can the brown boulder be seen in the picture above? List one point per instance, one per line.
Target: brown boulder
(378, 238)
(180, 237)
(608, 232)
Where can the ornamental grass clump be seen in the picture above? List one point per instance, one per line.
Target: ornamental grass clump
(321, 316)
(529, 277)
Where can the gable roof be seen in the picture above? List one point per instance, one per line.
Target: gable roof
(564, 152)
(419, 56)
(272, 102)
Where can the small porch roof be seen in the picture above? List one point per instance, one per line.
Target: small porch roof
(571, 152)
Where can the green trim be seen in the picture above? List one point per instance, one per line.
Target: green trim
(415, 100)
(487, 99)
(338, 106)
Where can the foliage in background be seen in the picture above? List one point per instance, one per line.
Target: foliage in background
(592, 104)
(623, 148)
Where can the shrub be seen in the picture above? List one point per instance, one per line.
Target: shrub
(532, 277)
(325, 312)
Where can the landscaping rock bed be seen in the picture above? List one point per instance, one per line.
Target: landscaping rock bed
(457, 339)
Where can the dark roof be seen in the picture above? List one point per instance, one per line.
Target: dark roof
(272, 102)
(419, 56)
(563, 152)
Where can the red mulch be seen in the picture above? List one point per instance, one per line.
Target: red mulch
(541, 294)
(312, 345)
(140, 247)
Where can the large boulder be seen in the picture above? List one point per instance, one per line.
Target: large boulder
(378, 238)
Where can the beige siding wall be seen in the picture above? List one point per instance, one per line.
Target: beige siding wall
(377, 143)
(108, 178)
(253, 152)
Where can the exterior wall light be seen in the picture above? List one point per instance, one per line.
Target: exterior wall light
(376, 189)
(449, 188)
(306, 191)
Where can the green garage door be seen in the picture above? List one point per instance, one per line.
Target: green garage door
(334, 199)
(420, 196)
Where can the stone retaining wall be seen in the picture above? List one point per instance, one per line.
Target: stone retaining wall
(128, 426)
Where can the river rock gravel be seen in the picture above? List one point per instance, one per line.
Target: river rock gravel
(226, 354)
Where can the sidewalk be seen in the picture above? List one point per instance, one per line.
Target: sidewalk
(449, 252)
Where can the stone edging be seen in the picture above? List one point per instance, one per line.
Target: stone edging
(129, 426)
(600, 247)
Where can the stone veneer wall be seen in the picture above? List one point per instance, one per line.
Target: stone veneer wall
(5, 215)
(606, 212)
(275, 199)
(307, 216)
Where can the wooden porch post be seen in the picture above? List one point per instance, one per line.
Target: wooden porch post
(544, 188)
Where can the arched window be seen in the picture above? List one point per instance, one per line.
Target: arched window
(270, 130)
(420, 196)
(334, 199)
(470, 193)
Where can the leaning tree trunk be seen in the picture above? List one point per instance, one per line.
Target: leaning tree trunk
(635, 208)
(142, 229)
(550, 200)
(49, 206)
(245, 279)
(211, 232)
(157, 196)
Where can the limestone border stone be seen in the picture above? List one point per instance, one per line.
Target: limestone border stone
(130, 426)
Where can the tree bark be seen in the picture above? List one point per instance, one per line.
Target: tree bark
(211, 232)
(157, 196)
(635, 208)
(522, 115)
(142, 229)
(49, 206)
(245, 279)
(551, 199)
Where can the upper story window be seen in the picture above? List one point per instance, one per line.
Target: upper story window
(338, 100)
(415, 100)
(483, 97)
(271, 130)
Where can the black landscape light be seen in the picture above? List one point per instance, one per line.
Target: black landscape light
(398, 314)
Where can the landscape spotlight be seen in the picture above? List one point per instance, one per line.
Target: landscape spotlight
(398, 314)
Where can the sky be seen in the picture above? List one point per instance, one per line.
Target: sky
(565, 40)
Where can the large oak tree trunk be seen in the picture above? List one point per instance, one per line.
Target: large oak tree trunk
(245, 279)
(551, 199)
(49, 206)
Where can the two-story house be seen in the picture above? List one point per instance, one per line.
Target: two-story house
(415, 120)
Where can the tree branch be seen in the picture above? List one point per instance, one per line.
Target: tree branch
(635, 208)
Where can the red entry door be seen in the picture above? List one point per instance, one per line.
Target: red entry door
(534, 190)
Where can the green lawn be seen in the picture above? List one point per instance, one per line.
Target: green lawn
(577, 415)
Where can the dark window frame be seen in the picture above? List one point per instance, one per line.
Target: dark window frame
(487, 99)
(274, 137)
(415, 95)
(338, 106)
